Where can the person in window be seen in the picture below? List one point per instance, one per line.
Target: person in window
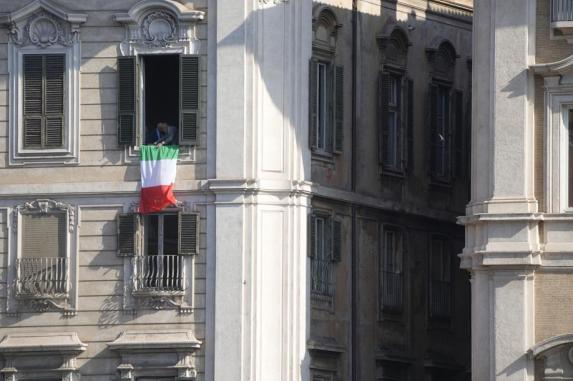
(165, 134)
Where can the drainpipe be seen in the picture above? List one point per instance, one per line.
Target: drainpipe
(354, 355)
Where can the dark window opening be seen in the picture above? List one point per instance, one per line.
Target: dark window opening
(161, 90)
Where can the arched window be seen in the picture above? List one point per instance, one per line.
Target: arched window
(395, 97)
(326, 108)
(445, 105)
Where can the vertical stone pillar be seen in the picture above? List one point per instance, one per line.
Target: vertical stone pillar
(501, 226)
(261, 308)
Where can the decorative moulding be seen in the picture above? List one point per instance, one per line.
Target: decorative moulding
(43, 24)
(159, 24)
(156, 340)
(32, 343)
(38, 28)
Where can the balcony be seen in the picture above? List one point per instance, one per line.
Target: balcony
(562, 18)
(321, 282)
(40, 278)
(440, 299)
(391, 291)
(158, 274)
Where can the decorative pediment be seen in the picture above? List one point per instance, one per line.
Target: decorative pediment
(139, 350)
(554, 357)
(159, 24)
(42, 24)
(325, 28)
(442, 57)
(44, 206)
(393, 45)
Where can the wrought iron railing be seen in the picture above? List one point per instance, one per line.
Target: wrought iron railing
(440, 299)
(391, 290)
(42, 277)
(561, 10)
(158, 273)
(321, 277)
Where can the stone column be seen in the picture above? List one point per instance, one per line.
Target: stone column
(502, 240)
(261, 308)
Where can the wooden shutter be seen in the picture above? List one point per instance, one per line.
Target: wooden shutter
(43, 88)
(127, 96)
(127, 229)
(432, 132)
(188, 99)
(408, 119)
(54, 100)
(384, 83)
(33, 100)
(188, 233)
(311, 235)
(44, 235)
(338, 109)
(459, 132)
(313, 105)
(336, 241)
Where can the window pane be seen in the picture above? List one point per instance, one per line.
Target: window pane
(170, 234)
(151, 234)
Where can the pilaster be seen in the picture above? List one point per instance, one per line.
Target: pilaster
(261, 306)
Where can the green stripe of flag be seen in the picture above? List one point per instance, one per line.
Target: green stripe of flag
(149, 152)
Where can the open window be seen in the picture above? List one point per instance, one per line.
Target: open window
(326, 87)
(395, 104)
(169, 88)
(391, 274)
(162, 247)
(440, 285)
(325, 249)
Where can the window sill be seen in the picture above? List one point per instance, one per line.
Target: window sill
(396, 173)
(151, 292)
(186, 154)
(324, 157)
(441, 182)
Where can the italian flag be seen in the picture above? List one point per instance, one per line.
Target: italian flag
(158, 167)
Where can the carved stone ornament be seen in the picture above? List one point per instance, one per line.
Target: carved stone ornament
(159, 28)
(42, 29)
(163, 303)
(44, 206)
(46, 305)
(272, 1)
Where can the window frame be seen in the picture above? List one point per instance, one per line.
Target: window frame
(397, 268)
(445, 267)
(566, 156)
(69, 152)
(64, 303)
(147, 297)
(397, 79)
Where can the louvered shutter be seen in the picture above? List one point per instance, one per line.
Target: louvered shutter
(433, 139)
(43, 88)
(409, 124)
(188, 99)
(336, 241)
(54, 100)
(33, 100)
(311, 235)
(313, 105)
(44, 235)
(449, 142)
(127, 96)
(188, 233)
(338, 109)
(127, 233)
(458, 130)
(384, 83)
